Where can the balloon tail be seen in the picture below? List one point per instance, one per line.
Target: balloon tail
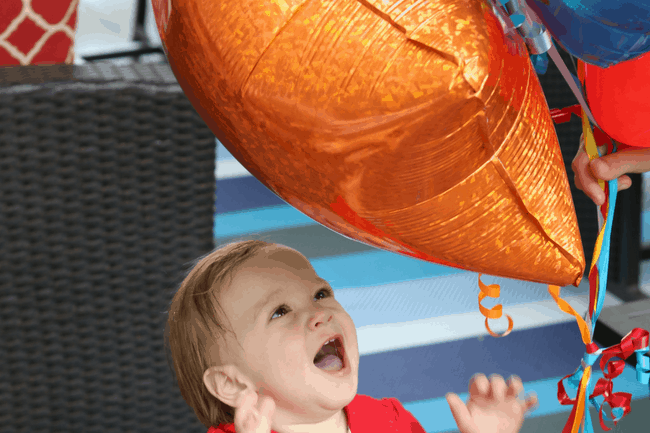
(492, 291)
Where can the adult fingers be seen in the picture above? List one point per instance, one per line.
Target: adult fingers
(624, 182)
(617, 164)
(584, 179)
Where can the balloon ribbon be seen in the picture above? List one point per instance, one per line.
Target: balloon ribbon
(634, 342)
(492, 291)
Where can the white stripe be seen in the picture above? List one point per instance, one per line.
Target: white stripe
(229, 169)
(393, 336)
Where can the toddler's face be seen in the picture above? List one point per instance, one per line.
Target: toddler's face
(284, 315)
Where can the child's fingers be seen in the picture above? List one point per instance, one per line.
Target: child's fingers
(479, 386)
(266, 409)
(498, 387)
(515, 387)
(246, 416)
(460, 413)
(531, 402)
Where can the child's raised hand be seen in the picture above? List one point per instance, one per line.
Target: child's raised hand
(492, 407)
(254, 414)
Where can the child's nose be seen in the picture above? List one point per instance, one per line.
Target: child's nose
(319, 317)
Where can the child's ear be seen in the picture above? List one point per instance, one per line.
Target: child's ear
(227, 383)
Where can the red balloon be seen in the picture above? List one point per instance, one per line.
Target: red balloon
(619, 97)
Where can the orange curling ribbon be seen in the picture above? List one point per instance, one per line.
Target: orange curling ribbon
(567, 308)
(492, 291)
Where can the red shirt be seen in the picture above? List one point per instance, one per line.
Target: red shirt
(366, 414)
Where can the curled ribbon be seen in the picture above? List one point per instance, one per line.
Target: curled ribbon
(619, 402)
(635, 341)
(492, 291)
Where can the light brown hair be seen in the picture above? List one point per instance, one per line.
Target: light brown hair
(195, 326)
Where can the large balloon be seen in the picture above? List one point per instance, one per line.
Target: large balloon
(619, 98)
(415, 126)
(600, 32)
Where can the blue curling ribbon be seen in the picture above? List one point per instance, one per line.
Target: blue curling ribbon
(603, 259)
(643, 366)
(540, 63)
(589, 428)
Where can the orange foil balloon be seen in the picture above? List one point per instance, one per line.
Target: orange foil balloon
(415, 126)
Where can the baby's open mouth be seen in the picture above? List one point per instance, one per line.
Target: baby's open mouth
(330, 356)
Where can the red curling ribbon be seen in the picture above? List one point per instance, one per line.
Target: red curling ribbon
(635, 340)
(593, 285)
(563, 115)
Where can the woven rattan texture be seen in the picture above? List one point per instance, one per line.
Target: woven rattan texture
(106, 194)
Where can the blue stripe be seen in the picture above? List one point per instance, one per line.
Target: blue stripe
(259, 220)
(375, 268)
(243, 193)
(429, 372)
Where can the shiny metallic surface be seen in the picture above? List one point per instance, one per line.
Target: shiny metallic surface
(415, 126)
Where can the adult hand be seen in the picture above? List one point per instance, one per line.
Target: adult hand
(492, 407)
(607, 168)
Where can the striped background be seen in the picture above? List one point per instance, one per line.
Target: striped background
(420, 332)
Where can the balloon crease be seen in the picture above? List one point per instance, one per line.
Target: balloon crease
(391, 21)
(498, 165)
(261, 56)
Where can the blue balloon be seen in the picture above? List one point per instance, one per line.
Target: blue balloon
(600, 32)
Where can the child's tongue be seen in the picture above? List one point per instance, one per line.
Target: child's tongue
(327, 358)
(330, 363)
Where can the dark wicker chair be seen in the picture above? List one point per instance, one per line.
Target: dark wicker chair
(106, 194)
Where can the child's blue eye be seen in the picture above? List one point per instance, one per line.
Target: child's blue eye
(323, 293)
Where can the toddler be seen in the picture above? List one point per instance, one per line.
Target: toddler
(260, 344)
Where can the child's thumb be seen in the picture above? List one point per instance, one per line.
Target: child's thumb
(461, 413)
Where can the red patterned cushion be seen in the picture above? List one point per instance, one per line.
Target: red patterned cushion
(37, 31)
